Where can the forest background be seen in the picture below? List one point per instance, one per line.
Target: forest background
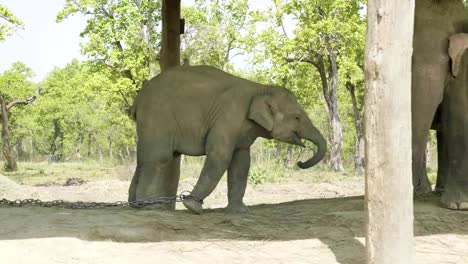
(79, 112)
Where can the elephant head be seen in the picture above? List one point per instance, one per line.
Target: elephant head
(279, 112)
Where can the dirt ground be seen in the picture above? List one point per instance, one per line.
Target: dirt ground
(288, 223)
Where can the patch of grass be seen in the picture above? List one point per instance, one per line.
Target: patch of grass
(31, 173)
(266, 172)
(271, 172)
(260, 172)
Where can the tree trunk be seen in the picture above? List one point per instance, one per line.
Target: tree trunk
(127, 150)
(111, 154)
(56, 148)
(31, 158)
(336, 155)
(8, 152)
(90, 137)
(288, 161)
(20, 150)
(330, 96)
(389, 191)
(170, 39)
(278, 152)
(359, 144)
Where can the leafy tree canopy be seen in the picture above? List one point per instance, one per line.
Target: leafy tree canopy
(8, 22)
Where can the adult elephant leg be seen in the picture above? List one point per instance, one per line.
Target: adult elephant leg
(422, 115)
(428, 82)
(237, 181)
(442, 161)
(455, 113)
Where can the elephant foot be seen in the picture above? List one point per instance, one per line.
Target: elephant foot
(193, 206)
(456, 205)
(422, 189)
(236, 209)
(454, 200)
(439, 190)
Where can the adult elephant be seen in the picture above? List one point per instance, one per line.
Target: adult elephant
(201, 110)
(435, 21)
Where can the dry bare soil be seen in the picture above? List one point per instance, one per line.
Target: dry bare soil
(288, 223)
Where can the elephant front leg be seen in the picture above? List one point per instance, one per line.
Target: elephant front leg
(216, 163)
(237, 181)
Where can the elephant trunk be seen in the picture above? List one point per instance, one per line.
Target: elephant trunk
(313, 135)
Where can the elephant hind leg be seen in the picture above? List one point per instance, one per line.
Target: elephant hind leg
(153, 180)
(133, 185)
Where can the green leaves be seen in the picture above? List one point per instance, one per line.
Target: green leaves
(86, 105)
(280, 44)
(8, 22)
(15, 83)
(216, 32)
(123, 39)
(299, 56)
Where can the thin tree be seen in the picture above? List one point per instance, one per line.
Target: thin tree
(7, 147)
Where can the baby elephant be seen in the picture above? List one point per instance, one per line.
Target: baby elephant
(200, 110)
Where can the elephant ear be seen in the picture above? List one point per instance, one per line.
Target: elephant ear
(260, 111)
(458, 43)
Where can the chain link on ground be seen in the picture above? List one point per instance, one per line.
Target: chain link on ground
(90, 205)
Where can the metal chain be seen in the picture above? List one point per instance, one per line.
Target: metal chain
(89, 205)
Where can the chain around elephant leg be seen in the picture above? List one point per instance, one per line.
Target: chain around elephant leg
(213, 170)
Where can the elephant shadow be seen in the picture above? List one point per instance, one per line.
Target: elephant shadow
(336, 222)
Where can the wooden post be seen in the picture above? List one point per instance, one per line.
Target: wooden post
(389, 192)
(170, 39)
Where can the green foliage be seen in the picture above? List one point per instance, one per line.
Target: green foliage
(8, 22)
(82, 111)
(15, 84)
(291, 59)
(266, 172)
(32, 173)
(123, 40)
(75, 116)
(89, 122)
(216, 32)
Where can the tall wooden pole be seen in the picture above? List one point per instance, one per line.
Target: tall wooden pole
(170, 46)
(389, 192)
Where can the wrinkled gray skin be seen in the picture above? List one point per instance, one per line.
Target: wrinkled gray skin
(200, 110)
(435, 21)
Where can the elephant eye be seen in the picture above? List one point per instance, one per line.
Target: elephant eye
(298, 118)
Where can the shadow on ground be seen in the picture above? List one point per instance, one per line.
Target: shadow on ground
(335, 221)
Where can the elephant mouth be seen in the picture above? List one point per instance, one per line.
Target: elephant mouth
(297, 140)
